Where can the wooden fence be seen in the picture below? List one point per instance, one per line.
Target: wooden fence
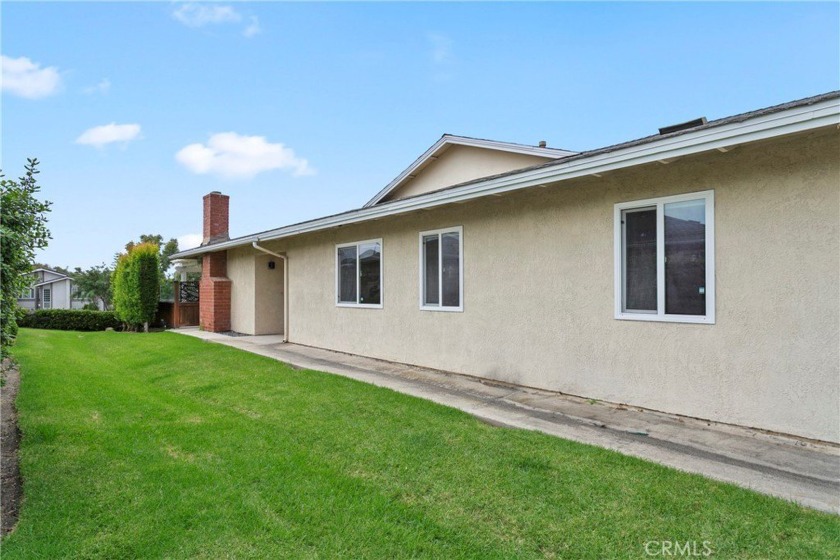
(183, 311)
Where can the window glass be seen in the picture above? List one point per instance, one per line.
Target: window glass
(664, 255)
(347, 274)
(685, 258)
(640, 259)
(431, 259)
(451, 271)
(370, 257)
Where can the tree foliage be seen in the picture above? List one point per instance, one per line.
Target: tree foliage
(23, 230)
(94, 284)
(166, 250)
(136, 285)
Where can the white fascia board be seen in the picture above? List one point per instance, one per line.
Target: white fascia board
(449, 140)
(791, 121)
(419, 162)
(47, 270)
(53, 281)
(550, 153)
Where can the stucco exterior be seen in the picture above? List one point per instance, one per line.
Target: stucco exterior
(60, 292)
(249, 273)
(539, 291)
(459, 164)
(243, 303)
(269, 285)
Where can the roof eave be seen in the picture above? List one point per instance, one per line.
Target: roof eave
(782, 123)
(53, 281)
(47, 270)
(451, 140)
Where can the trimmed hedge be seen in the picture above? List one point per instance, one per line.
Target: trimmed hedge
(136, 285)
(70, 320)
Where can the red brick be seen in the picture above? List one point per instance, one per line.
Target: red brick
(216, 217)
(214, 304)
(215, 287)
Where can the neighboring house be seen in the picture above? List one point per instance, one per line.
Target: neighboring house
(696, 271)
(50, 290)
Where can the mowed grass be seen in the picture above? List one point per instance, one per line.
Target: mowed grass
(164, 446)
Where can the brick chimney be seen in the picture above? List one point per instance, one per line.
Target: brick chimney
(215, 286)
(216, 209)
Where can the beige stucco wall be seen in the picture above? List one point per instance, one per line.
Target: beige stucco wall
(539, 281)
(250, 275)
(240, 268)
(269, 288)
(459, 164)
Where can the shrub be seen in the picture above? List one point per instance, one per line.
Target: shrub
(70, 320)
(136, 285)
(23, 230)
(90, 307)
(12, 324)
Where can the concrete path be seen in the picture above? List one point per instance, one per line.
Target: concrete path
(787, 467)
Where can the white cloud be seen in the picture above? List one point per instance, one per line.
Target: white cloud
(109, 133)
(199, 15)
(22, 77)
(253, 28)
(441, 56)
(189, 241)
(103, 87)
(441, 48)
(194, 14)
(235, 156)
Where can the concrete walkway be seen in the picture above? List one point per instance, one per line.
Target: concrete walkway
(787, 467)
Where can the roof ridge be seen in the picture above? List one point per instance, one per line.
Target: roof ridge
(804, 116)
(504, 142)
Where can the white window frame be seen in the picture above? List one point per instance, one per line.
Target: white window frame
(29, 293)
(660, 315)
(356, 244)
(440, 307)
(46, 302)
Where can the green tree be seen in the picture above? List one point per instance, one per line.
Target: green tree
(136, 285)
(120, 286)
(23, 230)
(94, 284)
(166, 250)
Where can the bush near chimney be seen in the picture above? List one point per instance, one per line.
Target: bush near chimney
(70, 320)
(136, 285)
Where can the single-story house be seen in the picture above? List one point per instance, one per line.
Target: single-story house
(695, 271)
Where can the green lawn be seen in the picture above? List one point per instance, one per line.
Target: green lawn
(163, 446)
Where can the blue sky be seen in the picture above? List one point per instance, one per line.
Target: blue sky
(299, 110)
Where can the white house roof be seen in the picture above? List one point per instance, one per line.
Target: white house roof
(722, 134)
(53, 281)
(447, 140)
(50, 271)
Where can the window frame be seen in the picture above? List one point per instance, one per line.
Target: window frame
(357, 244)
(46, 302)
(440, 307)
(659, 203)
